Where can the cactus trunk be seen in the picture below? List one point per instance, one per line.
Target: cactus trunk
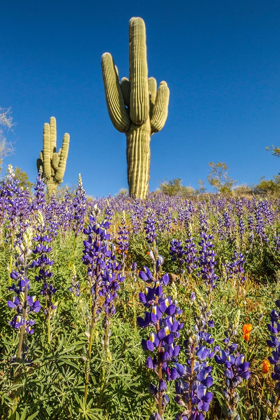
(51, 189)
(138, 154)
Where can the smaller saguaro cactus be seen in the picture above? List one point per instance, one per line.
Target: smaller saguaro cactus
(51, 163)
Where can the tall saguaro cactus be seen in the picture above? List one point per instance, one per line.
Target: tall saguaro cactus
(51, 163)
(136, 107)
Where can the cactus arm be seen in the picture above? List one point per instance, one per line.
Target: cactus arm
(40, 163)
(52, 135)
(160, 111)
(113, 93)
(46, 151)
(55, 160)
(63, 158)
(152, 85)
(125, 86)
(138, 72)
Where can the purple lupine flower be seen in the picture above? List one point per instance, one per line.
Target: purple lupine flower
(109, 214)
(52, 216)
(75, 285)
(178, 253)
(137, 218)
(111, 279)
(103, 267)
(103, 277)
(235, 269)
(161, 314)
(207, 260)
(259, 227)
(203, 222)
(150, 229)
(16, 208)
(23, 304)
(195, 376)
(123, 240)
(190, 255)
(227, 222)
(266, 211)
(251, 228)
(67, 212)
(274, 359)
(109, 286)
(186, 256)
(241, 223)
(189, 212)
(277, 242)
(236, 369)
(43, 264)
(79, 207)
(39, 199)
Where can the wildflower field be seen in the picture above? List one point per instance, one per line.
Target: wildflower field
(116, 308)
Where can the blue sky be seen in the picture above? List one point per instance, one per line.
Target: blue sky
(221, 60)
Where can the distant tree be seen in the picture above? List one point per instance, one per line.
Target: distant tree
(6, 123)
(175, 187)
(271, 186)
(123, 192)
(218, 178)
(23, 179)
(201, 189)
(241, 190)
(63, 189)
(275, 150)
(187, 192)
(172, 187)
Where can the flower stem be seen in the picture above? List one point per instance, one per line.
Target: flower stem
(106, 352)
(49, 327)
(134, 313)
(24, 317)
(71, 260)
(191, 378)
(11, 258)
(160, 407)
(92, 325)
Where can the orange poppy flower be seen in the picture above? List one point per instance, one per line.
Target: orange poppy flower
(247, 328)
(266, 366)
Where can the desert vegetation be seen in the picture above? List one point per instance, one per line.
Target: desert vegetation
(120, 308)
(158, 306)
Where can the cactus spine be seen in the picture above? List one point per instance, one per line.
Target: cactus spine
(53, 164)
(136, 107)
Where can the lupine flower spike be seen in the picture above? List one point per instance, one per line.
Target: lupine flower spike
(192, 388)
(236, 369)
(274, 359)
(23, 304)
(103, 278)
(161, 314)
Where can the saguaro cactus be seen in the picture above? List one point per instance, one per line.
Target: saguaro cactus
(136, 107)
(51, 163)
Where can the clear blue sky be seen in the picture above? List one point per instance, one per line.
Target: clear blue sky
(220, 58)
